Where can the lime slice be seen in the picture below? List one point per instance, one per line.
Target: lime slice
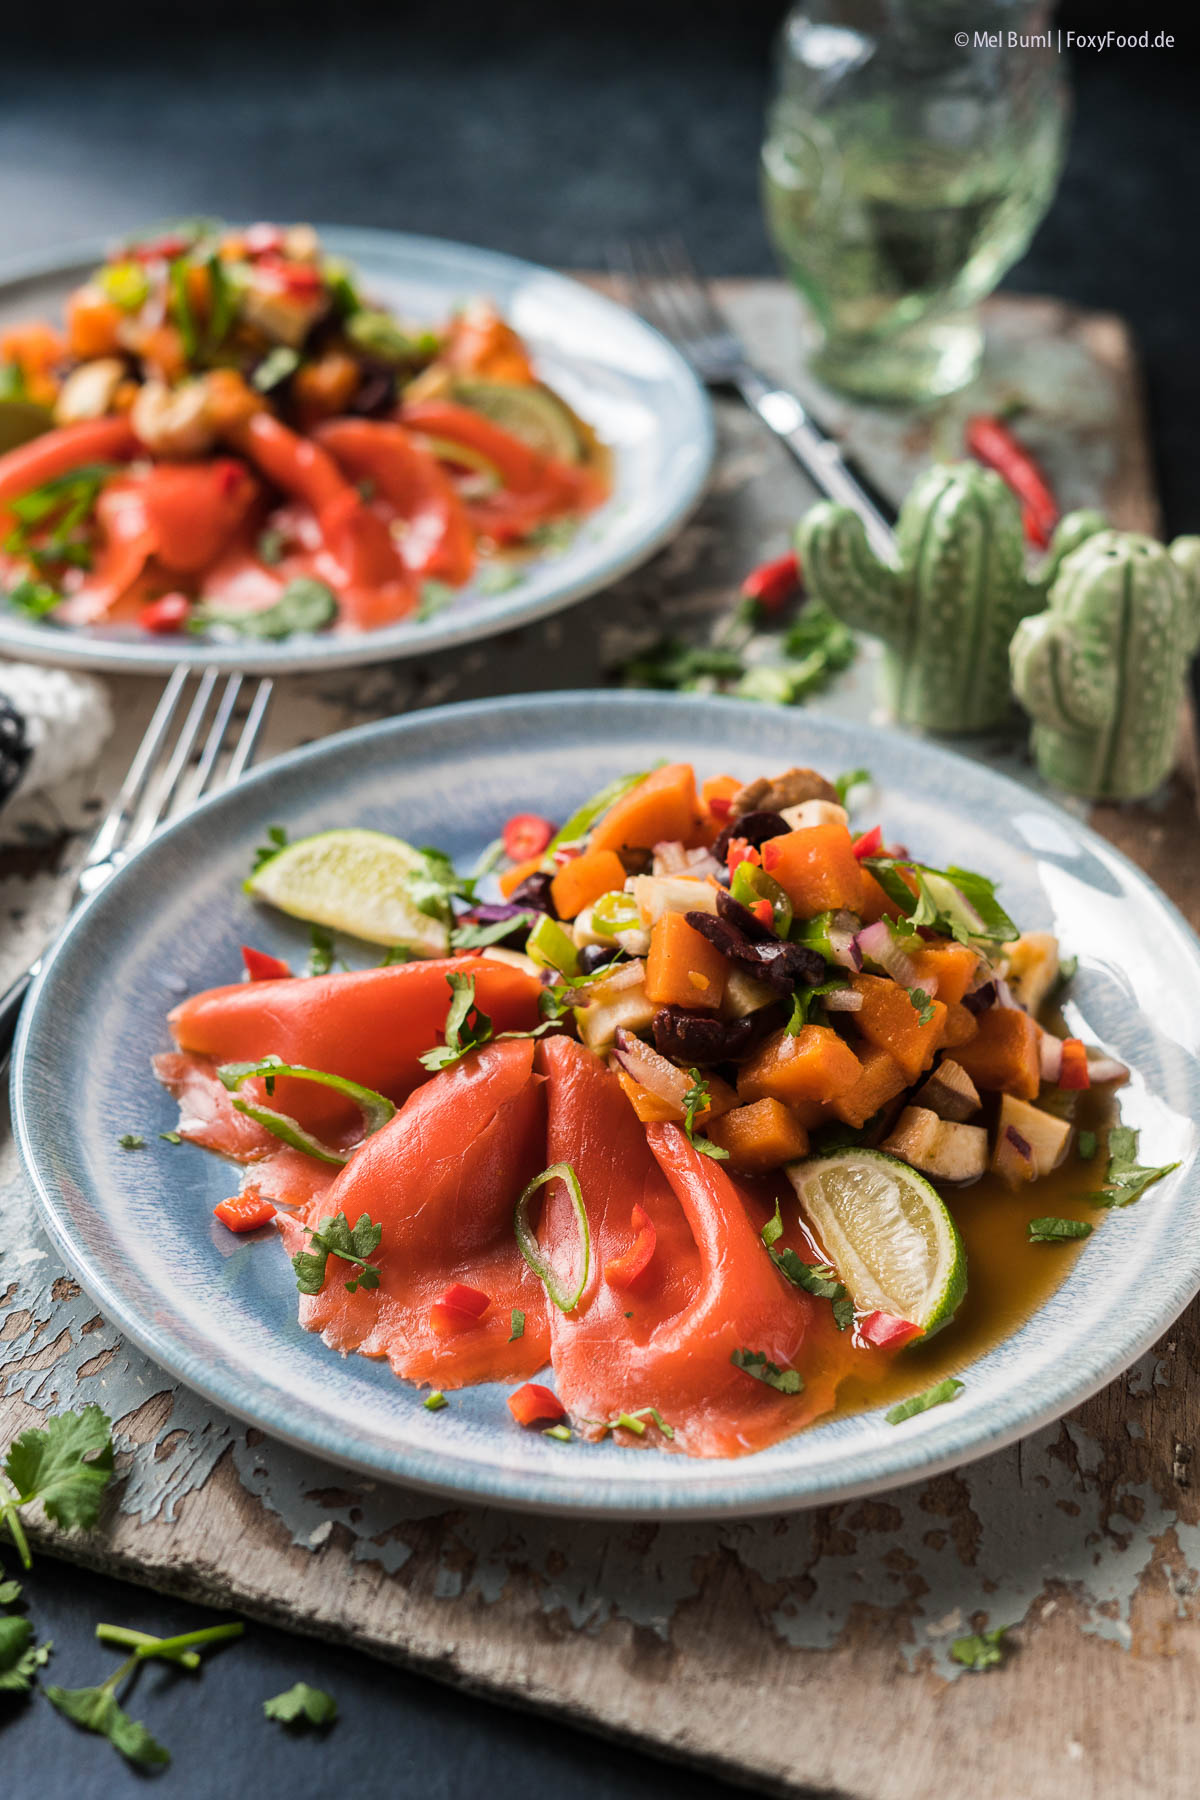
(351, 881)
(886, 1232)
(530, 412)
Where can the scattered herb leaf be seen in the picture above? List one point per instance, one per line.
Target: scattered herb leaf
(756, 1363)
(321, 952)
(66, 1464)
(937, 1395)
(1087, 1143)
(335, 1237)
(478, 937)
(170, 1137)
(518, 1325)
(277, 839)
(846, 782)
(132, 1140)
(981, 1650)
(923, 1004)
(304, 605)
(695, 1100)
(302, 1704)
(20, 1657)
(1127, 1180)
(561, 1432)
(772, 1231)
(465, 1029)
(1057, 1231)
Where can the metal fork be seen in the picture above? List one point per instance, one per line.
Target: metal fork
(667, 291)
(177, 763)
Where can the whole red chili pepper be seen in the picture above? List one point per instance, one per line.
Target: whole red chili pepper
(990, 442)
(773, 583)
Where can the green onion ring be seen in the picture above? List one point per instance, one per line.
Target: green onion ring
(376, 1109)
(531, 1250)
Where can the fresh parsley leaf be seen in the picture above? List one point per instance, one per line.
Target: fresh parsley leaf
(518, 1325)
(465, 1029)
(1087, 1144)
(843, 1312)
(277, 839)
(695, 1100)
(478, 937)
(772, 1231)
(334, 1237)
(981, 1650)
(805, 998)
(755, 1362)
(132, 1140)
(814, 1278)
(320, 955)
(180, 306)
(66, 1464)
(302, 1704)
(434, 883)
(922, 1003)
(20, 1658)
(938, 1395)
(96, 1709)
(672, 665)
(1057, 1231)
(1127, 1180)
(498, 578)
(399, 953)
(851, 779)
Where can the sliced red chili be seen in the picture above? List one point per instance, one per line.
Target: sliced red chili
(526, 835)
(262, 967)
(459, 1308)
(887, 1332)
(990, 442)
(742, 851)
(773, 583)
(1074, 1070)
(622, 1271)
(167, 614)
(870, 843)
(245, 1212)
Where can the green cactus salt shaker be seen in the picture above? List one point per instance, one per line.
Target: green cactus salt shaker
(947, 605)
(1102, 671)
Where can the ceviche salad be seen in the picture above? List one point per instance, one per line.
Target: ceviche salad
(229, 437)
(676, 1117)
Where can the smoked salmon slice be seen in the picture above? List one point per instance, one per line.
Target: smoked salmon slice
(370, 1026)
(709, 1290)
(443, 1179)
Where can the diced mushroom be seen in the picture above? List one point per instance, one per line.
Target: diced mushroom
(173, 421)
(949, 1092)
(611, 1008)
(774, 793)
(815, 812)
(939, 1147)
(743, 994)
(1033, 969)
(1045, 1137)
(88, 391)
(659, 894)
(1013, 1157)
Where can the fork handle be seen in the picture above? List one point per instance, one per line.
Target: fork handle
(11, 1002)
(820, 456)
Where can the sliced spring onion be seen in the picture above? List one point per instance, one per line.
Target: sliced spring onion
(566, 1299)
(551, 947)
(376, 1109)
(615, 912)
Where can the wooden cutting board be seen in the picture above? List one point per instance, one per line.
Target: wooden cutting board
(797, 1654)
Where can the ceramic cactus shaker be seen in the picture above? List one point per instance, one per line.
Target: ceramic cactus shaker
(1103, 670)
(947, 605)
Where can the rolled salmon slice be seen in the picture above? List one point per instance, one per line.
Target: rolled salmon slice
(443, 1179)
(369, 1025)
(709, 1289)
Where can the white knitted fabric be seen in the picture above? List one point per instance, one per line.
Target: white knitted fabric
(67, 717)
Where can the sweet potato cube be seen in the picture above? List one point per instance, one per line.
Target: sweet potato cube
(816, 868)
(663, 808)
(1003, 1055)
(683, 968)
(760, 1136)
(815, 1065)
(960, 1026)
(650, 1108)
(584, 879)
(881, 1080)
(951, 966)
(889, 1019)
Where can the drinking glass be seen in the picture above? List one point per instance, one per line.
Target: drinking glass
(912, 148)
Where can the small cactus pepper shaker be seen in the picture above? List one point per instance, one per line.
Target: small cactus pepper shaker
(947, 605)
(1102, 671)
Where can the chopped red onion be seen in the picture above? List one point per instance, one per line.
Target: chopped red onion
(1005, 996)
(1050, 1056)
(843, 943)
(649, 1069)
(670, 858)
(843, 1000)
(1105, 1069)
(878, 945)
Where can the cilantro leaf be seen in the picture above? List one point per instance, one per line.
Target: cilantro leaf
(132, 1140)
(814, 1278)
(304, 605)
(66, 1465)
(923, 1004)
(517, 1328)
(478, 937)
(981, 1650)
(756, 1363)
(695, 1100)
(302, 1704)
(96, 1709)
(277, 839)
(938, 1395)
(20, 1657)
(1127, 1180)
(852, 778)
(805, 998)
(1057, 1231)
(955, 902)
(1087, 1145)
(9, 1591)
(772, 1231)
(335, 1237)
(320, 956)
(465, 1029)
(434, 883)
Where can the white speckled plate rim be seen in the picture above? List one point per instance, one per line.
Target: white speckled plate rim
(617, 371)
(228, 1329)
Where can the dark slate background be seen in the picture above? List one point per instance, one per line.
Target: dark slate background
(547, 131)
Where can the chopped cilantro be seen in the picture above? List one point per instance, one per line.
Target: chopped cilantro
(399, 953)
(320, 955)
(981, 1650)
(302, 1705)
(335, 1237)
(277, 839)
(20, 1657)
(66, 1464)
(170, 1137)
(517, 1327)
(561, 1432)
(1057, 1231)
(478, 937)
(1127, 1180)
(34, 598)
(305, 605)
(772, 1231)
(435, 597)
(465, 1029)
(1087, 1144)
(955, 902)
(434, 883)
(435, 1401)
(756, 1363)
(922, 1003)
(270, 546)
(132, 1140)
(938, 1395)
(695, 1100)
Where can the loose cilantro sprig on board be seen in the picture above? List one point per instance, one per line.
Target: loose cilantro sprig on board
(302, 1705)
(818, 1279)
(66, 1464)
(981, 1650)
(96, 1708)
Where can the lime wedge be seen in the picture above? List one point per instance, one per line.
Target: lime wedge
(529, 411)
(351, 881)
(886, 1232)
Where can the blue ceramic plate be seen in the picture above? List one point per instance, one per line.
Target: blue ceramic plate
(618, 374)
(137, 1227)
